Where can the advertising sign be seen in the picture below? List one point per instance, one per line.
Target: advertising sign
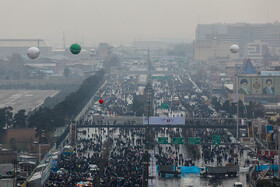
(259, 85)
(164, 121)
(247, 141)
(271, 133)
(244, 85)
(45, 173)
(267, 153)
(256, 85)
(268, 86)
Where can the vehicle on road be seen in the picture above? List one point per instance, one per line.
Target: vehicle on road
(237, 184)
(220, 171)
(163, 170)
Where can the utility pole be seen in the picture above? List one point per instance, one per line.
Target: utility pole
(146, 156)
(15, 171)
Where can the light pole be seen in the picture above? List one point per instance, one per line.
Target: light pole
(235, 49)
(92, 54)
(146, 160)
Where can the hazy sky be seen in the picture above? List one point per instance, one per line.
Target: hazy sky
(124, 21)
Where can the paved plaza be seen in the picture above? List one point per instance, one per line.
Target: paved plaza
(24, 99)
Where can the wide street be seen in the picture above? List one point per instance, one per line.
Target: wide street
(191, 103)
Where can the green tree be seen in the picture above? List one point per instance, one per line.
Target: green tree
(20, 119)
(47, 119)
(6, 117)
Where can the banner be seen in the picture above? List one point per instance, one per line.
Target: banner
(267, 153)
(247, 141)
(259, 85)
(45, 173)
(164, 121)
(269, 129)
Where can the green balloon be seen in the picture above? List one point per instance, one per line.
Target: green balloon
(75, 49)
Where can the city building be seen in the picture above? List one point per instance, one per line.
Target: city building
(20, 46)
(241, 34)
(213, 49)
(104, 50)
(256, 50)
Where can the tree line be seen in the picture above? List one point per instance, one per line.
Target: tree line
(7, 119)
(47, 119)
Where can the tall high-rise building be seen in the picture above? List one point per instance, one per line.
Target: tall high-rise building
(240, 33)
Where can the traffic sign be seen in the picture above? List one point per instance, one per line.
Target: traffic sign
(165, 105)
(159, 77)
(194, 141)
(178, 140)
(216, 139)
(162, 140)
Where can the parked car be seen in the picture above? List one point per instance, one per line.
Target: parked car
(12, 171)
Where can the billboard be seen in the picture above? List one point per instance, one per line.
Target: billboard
(164, 121)
(259, 85)
(256, 85)
(247, 141)
(244, 85)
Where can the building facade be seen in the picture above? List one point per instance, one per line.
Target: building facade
(241, 34)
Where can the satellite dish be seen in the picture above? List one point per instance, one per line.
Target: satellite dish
(234, 48)
(75, 49)
(33, 52)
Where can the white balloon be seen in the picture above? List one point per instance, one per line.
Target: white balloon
(33, 52)
(234, 48)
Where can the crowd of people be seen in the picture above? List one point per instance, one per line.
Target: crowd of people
(118, 154)
(124, 164)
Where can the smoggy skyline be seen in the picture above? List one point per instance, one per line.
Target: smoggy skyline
(124, 21)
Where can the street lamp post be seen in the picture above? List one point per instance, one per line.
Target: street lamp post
(92, 54)
(235, 49)
(146, 157)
